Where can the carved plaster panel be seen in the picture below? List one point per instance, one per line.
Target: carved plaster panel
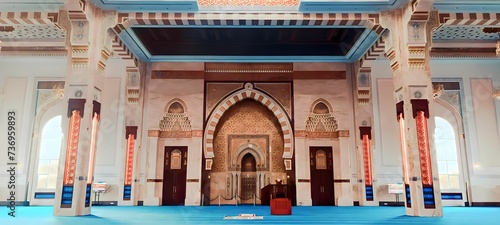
(416, 32)
(281, 92)
(453, 98)
(109, 20)
(79, 32)
(216, 91)
(320, 117)
(45, 97)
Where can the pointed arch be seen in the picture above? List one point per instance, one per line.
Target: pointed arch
(175, 116)
(173, 102)
(321, 117)
(323, 101)
(248, 92)
(254, 150)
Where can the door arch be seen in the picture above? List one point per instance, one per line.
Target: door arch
(248, 179)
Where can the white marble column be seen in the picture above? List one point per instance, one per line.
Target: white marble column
(83, 86)
(412, 91)
(302, 171)
(193, 185)
(363, 110)
(342, 179)
(151, 198)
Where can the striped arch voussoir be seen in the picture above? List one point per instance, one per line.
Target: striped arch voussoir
(231, 100)
(472, 19)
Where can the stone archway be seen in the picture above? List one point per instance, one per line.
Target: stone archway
(252, 149)
(263, 98)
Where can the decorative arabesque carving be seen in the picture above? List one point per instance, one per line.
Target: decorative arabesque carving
(321, 119)
(175, 118)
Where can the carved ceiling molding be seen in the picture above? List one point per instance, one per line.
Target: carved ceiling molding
(128, 20)
(28, 18)
(377, 49)
(470, 19)
(463, 55)
(33, 54)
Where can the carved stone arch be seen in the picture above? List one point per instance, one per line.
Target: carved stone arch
(321, 100)
(175, 116)
(172, 102)
(259, 96)
(321, 117)
(246, 148)
(454, 111)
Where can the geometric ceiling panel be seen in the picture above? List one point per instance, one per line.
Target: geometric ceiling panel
(29, 32)
(255, 41)
(463, 33)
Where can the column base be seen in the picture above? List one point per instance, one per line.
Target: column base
(345, 201)
(126, 203)
(369, 203)
(152, 201)
(70, 212)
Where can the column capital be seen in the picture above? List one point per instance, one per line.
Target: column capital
(409, 37)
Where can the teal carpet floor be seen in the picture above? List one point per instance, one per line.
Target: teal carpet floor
(166, 215)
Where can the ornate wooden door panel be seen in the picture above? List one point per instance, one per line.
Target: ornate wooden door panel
(321, 164)
(174, 175)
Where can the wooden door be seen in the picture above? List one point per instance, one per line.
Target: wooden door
(321, 162)
(174, 175)
(248, 179)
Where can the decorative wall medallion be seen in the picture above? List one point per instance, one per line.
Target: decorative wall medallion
(78, 93)
(364, 80)
(417, 94)
(248, 86)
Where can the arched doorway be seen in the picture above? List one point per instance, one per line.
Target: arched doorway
(248, 179)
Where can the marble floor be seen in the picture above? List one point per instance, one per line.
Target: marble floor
(179, 215)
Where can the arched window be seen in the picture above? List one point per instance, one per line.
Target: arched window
(446, 152)
(50, 148)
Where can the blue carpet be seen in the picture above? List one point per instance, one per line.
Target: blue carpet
(195, 215)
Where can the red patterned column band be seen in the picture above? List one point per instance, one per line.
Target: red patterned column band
(72, 148)
(129, 163)
(423, 148)
(367, 160)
